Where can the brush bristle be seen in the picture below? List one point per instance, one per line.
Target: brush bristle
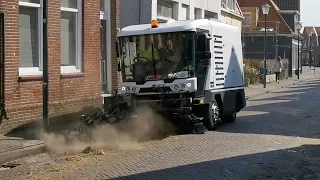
(199, 128)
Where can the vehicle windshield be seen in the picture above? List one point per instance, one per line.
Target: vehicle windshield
(158, 56)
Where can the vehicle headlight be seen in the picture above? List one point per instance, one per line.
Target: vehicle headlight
(176, 87)
(188, 85)
(128, 88)
(123, 88)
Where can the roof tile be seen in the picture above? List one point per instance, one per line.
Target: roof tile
(288, 4)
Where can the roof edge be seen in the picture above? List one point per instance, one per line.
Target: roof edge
(273, 5)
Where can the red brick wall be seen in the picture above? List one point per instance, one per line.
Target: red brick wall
(272, 17)
(67, 93)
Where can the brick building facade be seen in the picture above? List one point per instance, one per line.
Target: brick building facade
(282, 35)
(74, 54)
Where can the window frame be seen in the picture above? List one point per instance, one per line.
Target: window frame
(30, 71)
(166, 3)
(79, 30)
(210, 14)
(197, 13)
(187, 10)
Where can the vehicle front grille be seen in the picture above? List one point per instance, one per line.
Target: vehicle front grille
(148, 90)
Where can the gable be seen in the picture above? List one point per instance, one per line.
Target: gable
(238, 9)
(273, 17)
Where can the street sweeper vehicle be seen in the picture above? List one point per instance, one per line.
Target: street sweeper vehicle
(191, 71)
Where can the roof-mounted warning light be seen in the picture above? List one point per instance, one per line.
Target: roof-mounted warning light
(154, 23)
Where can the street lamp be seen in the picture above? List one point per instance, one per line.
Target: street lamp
(265, 11)
(299, 26)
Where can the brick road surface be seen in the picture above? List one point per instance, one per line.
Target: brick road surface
(275, 137)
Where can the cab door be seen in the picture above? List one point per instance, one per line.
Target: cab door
(202, 69)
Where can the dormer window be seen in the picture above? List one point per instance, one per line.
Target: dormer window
(247, 19)
(231, 4)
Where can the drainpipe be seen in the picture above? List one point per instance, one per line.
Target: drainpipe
(140, 8)
(45, 82)
(2, 73)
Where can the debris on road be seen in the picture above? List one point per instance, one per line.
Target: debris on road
(87, 150)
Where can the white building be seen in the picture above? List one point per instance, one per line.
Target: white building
(143, 11)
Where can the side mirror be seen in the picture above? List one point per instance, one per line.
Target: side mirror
(205, 57)
(117, 49)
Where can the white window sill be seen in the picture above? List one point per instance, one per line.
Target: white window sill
(69, 70)
(28, 4)
(32, 71)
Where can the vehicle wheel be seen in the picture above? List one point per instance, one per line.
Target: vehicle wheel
(230, 118)
(212, 117)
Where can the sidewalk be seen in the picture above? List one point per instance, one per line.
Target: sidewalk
(258, 90)
(12, 148)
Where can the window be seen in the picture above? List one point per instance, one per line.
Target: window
(295, 56)
(184, 11)
(247, 19)
(165, 9)
(231, 4)
(197, 13)
(30, 37)
(224, 3)
(102, 5)
(296, 19)
(210, 15)
(71, 36)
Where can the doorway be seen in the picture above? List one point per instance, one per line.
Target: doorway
(103, 56)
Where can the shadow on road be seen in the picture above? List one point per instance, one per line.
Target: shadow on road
(296, 163)
(286, 112)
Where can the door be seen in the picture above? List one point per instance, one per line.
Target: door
(103, 56)
(202, 45)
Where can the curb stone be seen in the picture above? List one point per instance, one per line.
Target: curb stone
(29, 148)
(284, 86)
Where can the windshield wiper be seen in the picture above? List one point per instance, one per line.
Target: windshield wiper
(184, 59)
(154, 62)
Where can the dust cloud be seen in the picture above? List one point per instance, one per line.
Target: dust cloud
(123, 135)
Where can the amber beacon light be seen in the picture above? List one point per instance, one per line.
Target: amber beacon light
(154, 23)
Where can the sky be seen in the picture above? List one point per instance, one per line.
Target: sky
(310, 12)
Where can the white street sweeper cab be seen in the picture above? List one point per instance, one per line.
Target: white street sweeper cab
(191, 70)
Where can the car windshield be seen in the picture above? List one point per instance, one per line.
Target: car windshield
(158, 56)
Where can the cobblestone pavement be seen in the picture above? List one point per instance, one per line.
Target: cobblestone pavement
(275, 137)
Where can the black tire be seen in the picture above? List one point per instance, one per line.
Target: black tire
(212, 118)
(230, 118)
